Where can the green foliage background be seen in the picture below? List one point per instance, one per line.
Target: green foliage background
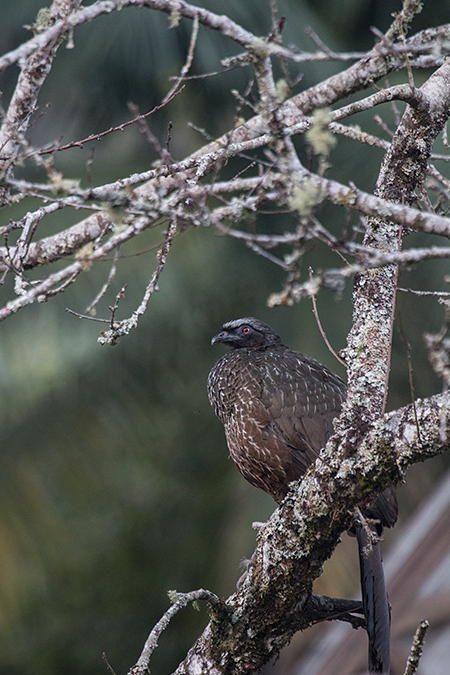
(115, 484)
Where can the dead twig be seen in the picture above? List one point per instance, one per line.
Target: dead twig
(319, 325)
(416, 648)
(179, 601)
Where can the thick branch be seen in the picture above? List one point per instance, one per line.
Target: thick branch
(401, 177)
(364, 457)
(276, 600)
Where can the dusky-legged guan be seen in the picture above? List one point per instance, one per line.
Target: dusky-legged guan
(278, 406)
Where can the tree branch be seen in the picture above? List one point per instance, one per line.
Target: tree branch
(248, 136)
(34, 70)
(275, 600)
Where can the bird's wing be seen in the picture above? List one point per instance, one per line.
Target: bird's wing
(301, 398)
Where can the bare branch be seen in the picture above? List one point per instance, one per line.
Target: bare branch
(277, 589)
(123, 327)
(319, 324)
(179, 602)
(370, 449)
(120, 127)
(34, 70)
(416, 648)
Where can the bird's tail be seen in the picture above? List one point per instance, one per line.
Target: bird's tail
(375, 602)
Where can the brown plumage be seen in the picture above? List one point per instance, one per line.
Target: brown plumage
(278, 406)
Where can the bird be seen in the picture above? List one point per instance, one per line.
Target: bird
(277, 406)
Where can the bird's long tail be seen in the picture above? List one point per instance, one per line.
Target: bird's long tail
(375, 603)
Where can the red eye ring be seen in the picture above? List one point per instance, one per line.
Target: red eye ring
(246, 330)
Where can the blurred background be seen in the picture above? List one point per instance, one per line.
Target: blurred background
(115, 481)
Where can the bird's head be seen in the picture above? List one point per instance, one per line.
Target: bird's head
(249, 333)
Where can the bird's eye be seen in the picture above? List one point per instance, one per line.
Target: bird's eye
(246, 330)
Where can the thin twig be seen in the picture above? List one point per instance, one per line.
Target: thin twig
(444, 294)
(108, 665)
(120, 127)
(187, 66)
(319, 324)
(59, 289)
(86, 316)
(265, 254)
(115, 307)
(125, 326)
(410, 373)
(182, 599)
(150, 137)
(416, 648)
(106, 285)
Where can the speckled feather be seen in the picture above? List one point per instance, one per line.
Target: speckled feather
(277, 406)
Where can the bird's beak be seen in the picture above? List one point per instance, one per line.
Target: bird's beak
(220, 337)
